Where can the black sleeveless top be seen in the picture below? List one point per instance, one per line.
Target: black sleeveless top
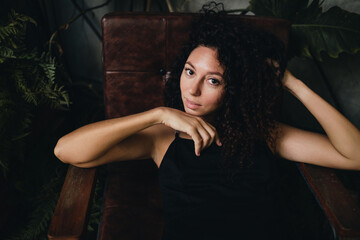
(200, 203)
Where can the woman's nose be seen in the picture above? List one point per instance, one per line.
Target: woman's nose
(195, 88)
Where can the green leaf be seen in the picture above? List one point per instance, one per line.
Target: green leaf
(313, 32)
(287, 9)
(334, 32)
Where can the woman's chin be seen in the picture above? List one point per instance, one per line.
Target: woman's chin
(207, 117)
(193, 112)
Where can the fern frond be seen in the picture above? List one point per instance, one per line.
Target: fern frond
(21, 18)
(28, 80)
(49, 70)
(5, 53)
(13, 33)
(8, 31)
(22, 87)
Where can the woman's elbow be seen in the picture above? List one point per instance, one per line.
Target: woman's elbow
(71, 156)
(59, 152)
(64, 154)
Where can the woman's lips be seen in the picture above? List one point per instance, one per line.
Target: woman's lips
(191, 105)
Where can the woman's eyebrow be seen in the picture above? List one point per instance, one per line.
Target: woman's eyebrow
(210, 73)
(190, 64)
(215, 73)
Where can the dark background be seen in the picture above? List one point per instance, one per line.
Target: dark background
(29, 194)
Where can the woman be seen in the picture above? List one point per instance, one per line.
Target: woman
(215, 142)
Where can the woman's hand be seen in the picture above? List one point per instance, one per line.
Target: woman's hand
(288, 79)
(202, 132)
(292, 84)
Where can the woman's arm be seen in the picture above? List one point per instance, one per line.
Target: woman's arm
(130, 137)
(92, 141)
(339, 149)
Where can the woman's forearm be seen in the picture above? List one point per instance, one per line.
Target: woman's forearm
(92, 141)
(343, 135)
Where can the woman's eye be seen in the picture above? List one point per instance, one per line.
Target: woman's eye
(189, 71)
(214, 81)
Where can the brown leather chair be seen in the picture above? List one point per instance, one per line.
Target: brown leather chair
(138, 49)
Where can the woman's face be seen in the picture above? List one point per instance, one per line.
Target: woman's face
(202, 83)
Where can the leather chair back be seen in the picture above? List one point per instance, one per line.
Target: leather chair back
(138, 49)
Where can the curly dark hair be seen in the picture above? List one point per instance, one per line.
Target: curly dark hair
(254, 64)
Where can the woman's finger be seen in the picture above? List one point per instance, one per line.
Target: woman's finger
(205, 136)
(217, 139)
(198, 142)
(212, 132)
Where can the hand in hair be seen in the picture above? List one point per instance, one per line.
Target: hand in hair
(288, 81)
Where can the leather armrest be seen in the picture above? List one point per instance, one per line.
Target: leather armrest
(71, 213)
(336, 202)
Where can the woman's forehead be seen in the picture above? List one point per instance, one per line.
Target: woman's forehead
(205, 58)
